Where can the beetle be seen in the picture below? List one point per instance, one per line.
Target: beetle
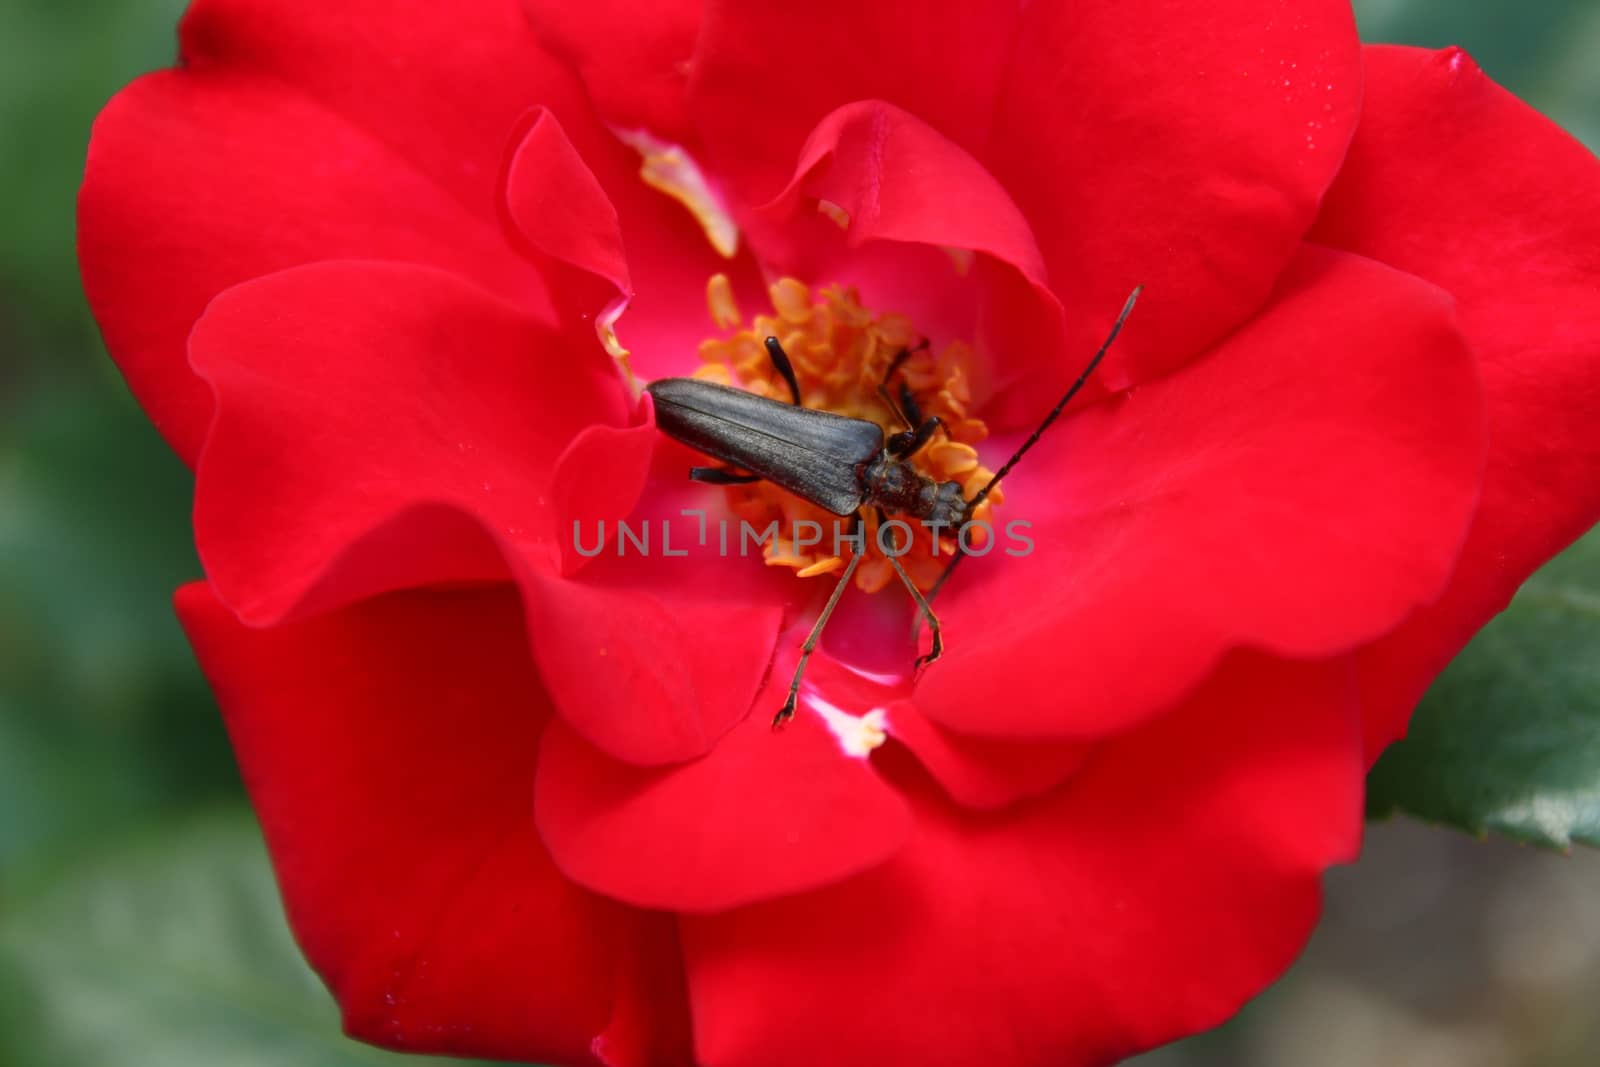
(841, 464)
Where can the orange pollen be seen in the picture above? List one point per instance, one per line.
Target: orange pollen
(840, 351)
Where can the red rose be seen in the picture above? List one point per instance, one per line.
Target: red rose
(360, 263)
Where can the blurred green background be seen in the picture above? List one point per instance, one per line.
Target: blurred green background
(138, 922)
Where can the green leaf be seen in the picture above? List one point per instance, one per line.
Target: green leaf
(169, 951)
(1508, 739)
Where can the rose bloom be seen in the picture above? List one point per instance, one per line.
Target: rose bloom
(389, 276)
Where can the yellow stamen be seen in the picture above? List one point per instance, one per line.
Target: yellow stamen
(724, 311)
(605, 326)
(823, 566)
(792, 301)
(669, 169)
(951, 458)
(840, 217)
(840, 351)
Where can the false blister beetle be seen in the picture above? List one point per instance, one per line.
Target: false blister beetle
(841, 464)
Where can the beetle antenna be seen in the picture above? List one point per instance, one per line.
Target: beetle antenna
(1033, 439)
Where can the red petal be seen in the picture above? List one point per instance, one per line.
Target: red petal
(900, 180)
(385, 426)
(1453, 179)
(390, 752)
(1183, 147)
(439, 86)
(583, 202)
(382, 425)
(1173, 879)
(984, 772)
(633, 58)
(656, 648)
(650, 1021)
(652, 664)
(1301, 489)
(556, 202)
(765, 74)
(763, 814)
(979, 772)
(297, 132)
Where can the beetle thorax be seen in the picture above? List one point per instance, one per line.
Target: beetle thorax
(896, 486)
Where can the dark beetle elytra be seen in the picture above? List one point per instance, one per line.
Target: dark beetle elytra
(838, 463)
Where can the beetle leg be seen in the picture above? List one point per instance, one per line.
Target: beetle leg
(906, 410)
(937, 649)
(900, 357)
(780, 360)
(786, 712)
(909, 442)
(883, 391)
(721, 476)
(908, 404)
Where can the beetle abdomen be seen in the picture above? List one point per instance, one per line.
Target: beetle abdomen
(816, 455)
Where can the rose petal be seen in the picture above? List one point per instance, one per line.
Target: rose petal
(564, 217)
(986, 773)
(650, 1020)
(556, 202)
(1170, 881)
(1183, 147)
(1431, 187)
(583, 201)
(1301, 489)
(439, 86)
(763, 814)
(384, 425)
(473, 449)
(652, 668)
(764, 75)
(900, 180)
(633, 59)
(389, 750)
(656, 649)
(287, 137)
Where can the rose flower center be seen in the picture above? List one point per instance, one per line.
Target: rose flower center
(842, 352)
